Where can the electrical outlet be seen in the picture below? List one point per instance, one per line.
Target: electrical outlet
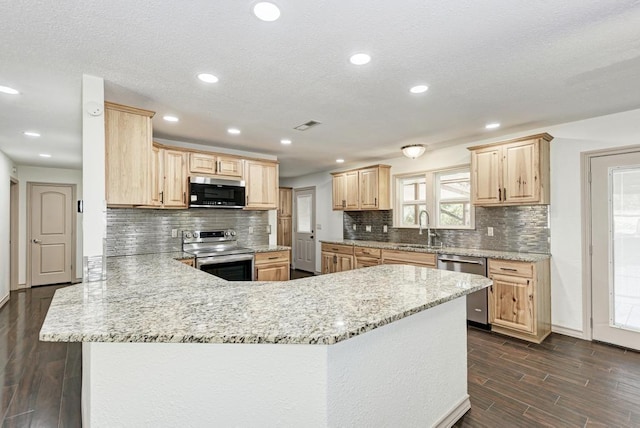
(355, 227)
(367, 228)
(385, 229)
(489, 231)
(174, 233)
(250, 229)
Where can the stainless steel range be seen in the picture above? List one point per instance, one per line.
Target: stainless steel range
(217, 252)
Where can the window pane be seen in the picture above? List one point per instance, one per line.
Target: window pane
(409, 192)
(455, 190)
(409, 215)
(454, 214)
(422, 191)
(304, 207)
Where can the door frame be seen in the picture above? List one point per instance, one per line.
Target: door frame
(74, 217)
(587, 280)
(294, 225)
(14, 199)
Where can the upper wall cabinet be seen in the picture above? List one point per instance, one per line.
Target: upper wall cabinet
(362, 189)
(128, 155)
(169, 182)
(262, 185)
(514, 172)
(212, 164)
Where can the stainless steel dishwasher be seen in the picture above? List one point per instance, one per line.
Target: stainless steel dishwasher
(477, 303)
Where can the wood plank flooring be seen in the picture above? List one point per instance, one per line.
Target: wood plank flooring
(564, 382)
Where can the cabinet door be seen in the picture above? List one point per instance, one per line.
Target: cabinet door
(128, 155)
(284, 231)
(369, 188)
(157, 176)
(352, 196)
(511, 303)
(229, 167)
(339, 191)
(520, 172)
(344, 263)
(285, 202)
(175, 179)
(328, 264)
(486, 176)
(273, 272)
(262, 185)
(366, 262)
(201, 163)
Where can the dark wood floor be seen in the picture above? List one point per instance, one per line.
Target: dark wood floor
(563, 382)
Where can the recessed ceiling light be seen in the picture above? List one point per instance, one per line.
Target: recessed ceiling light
(492, 125)
(45, 155)
(31, 134)
(360, 59)
(8, 90)
(340, 160)
(285, 142)
(207, 78)
(266, 11)
(419, 89)
(170, 118)
(234, 131)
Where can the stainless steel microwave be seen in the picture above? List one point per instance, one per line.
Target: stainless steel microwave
(205, 192)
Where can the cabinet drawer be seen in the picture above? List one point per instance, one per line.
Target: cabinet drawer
(367, 252)
(510, 267)
(188, 262)
(339, 249)
(408, 257)
(272, 257)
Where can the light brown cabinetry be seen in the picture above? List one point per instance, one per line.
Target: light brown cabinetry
(514, 172)
(272, 266)
(519, 299)
(168, 178)
(414, 258)
(262, 184)
(362, 189)
(365, 257)
(285, 203)
(188, 262)
(127, 155)
(337, 258)
(214, 164)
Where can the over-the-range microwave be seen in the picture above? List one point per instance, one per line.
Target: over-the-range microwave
(205, 192)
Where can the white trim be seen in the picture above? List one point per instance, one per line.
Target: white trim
(568, 332)
(4, 300)
(455, 414)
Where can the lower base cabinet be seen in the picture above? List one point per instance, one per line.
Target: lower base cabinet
(188, 262)
(337, 258)
(520, 299)
(415, 258)
(366, 257)
(272, 266)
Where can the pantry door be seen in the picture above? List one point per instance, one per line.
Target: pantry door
(304, 220)
(615, 237)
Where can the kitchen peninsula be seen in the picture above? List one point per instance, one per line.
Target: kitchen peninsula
(168, 345)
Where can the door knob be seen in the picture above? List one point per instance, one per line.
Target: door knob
(36, 241)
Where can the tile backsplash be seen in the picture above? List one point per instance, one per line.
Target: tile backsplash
(520, 228)
(142, 231)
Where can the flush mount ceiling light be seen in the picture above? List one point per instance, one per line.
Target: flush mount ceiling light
(207, 78)
(8, 90)
(340, 160)
(413, 150)
(266, 11)
(285, 142)
(31, 134)
(44, 155)
(419, 89)
(494, 125)
(360, 59)
(233, 131)
(170, 118)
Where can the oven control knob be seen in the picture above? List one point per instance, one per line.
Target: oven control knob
(187, 234)
(195, 234)
(232, 232)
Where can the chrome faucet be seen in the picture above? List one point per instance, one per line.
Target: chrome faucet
(429, 243)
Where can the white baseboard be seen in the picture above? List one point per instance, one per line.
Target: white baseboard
(456, 413)
(568, 331)
(4, 300)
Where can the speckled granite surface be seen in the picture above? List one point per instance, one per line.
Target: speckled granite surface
(504, 255)
(153, 298)
(269, 248)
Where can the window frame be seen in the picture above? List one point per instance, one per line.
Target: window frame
(432, 201)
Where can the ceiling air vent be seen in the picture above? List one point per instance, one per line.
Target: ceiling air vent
(306, 126)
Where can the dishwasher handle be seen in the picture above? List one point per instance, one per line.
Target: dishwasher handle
(471, 262)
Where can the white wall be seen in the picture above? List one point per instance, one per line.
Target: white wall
(5, 174)
(28, 174)
(570, 140)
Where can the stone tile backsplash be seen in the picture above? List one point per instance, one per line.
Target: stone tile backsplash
(521, 229)
(142, 231)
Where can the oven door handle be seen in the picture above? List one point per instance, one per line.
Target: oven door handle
(215, 260)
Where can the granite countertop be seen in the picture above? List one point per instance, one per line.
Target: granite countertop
(269, 248)
(154, 298)
(504, 255)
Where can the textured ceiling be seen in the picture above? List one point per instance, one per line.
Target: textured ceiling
(520, 62)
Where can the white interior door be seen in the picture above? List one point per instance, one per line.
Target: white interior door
(615, 237)
(304, 245)
(51, 233)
